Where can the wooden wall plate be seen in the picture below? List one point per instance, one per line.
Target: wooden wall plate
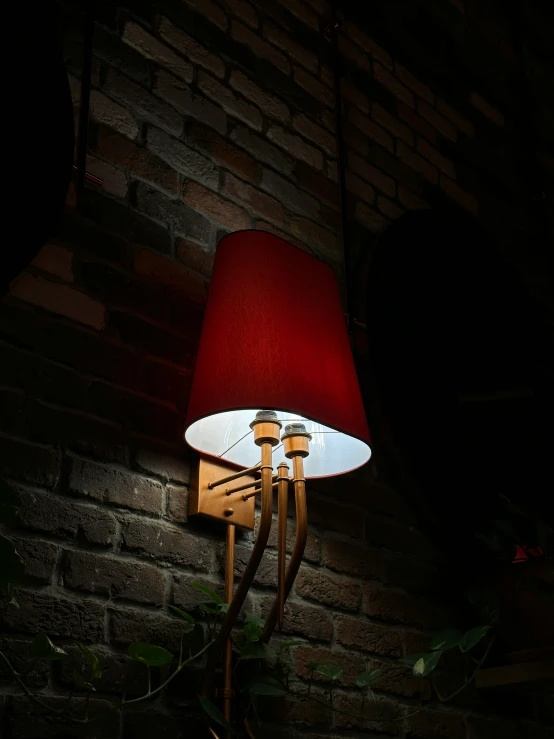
(214, 503)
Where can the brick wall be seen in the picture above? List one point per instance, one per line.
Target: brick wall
(209, 116)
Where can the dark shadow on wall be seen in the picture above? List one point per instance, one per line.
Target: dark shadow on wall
(462, 363)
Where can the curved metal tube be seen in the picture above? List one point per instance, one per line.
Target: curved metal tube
(250, 569)
(299, 544)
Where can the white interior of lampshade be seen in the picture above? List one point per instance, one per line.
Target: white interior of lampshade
(228, 435)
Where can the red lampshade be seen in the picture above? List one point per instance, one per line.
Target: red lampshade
(274, 337)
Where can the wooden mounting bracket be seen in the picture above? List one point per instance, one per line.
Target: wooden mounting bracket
(215, 503)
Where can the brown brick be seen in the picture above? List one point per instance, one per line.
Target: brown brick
(189, 102)
(355, 140)
(59, 299)
(317, 184)
(259, 47)
(436, 725)
(39, 558)
(291, 196)
(353, 95)
(371, 129)
(392, 124)
(416, 122)
(151, 48)
(212, 205)
(315, 133)
(28, 719)
(436, 120)
(372, 174)
(114, 180)
(313, 543)
(351, 664)
(411, 201)
(262, 150)
(353, 52)
(168, 274)
(314, 87)
(222, 151)
(392, 84)
(370, 218)
(333, 516)
(330, 590)
(194, 256)
(304, 14)
(105, 111)
(245, 12)
(494, 115)
(211, 10)
(61, 517)
(161, 461)
(464, 198)
(262, 204)
(388, 208)
(287, 44)
(296, 147)
(167, 543)
(110, 485)
(231, 104)
(461, 123)
(114, 577)
(396, 678)
(56, 261)
(395, 607)
(352, 30)
(142, 103)
(323, 241)
(182, 158)
(56, 616)
(395, 537)
(28, 463)
(302, 619)
(433, 155)
(128, 625)
(266, 575)
(268, 104)
(190, 48)
(414, 84)
(459, 4)
(379, 715)
(353, 558)
(137, 160)
(362, 635)
(417, 163)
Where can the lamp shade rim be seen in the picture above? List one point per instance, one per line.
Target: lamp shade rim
(363, 445)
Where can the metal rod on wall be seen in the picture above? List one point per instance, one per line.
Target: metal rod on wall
(84, 105)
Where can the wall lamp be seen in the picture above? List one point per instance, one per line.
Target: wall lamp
(274, 373)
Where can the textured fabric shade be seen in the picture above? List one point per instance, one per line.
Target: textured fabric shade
(274, 337)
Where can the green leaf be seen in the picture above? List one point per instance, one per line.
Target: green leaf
(426, 664)
(332, 672)
(149, 654)
(473, 637)
(269, 688)
(411, 659)
(367, 678)
(12, 570)
(80, 683)
(92, 661)
(183, 614)
(216, 608)
(252, 632)
(257, 650)
(215, 714)
(9, 504)
(212, 595)
(447, 639)
(42, 648)
(289, 644)
(251, 618)
(312, 666)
